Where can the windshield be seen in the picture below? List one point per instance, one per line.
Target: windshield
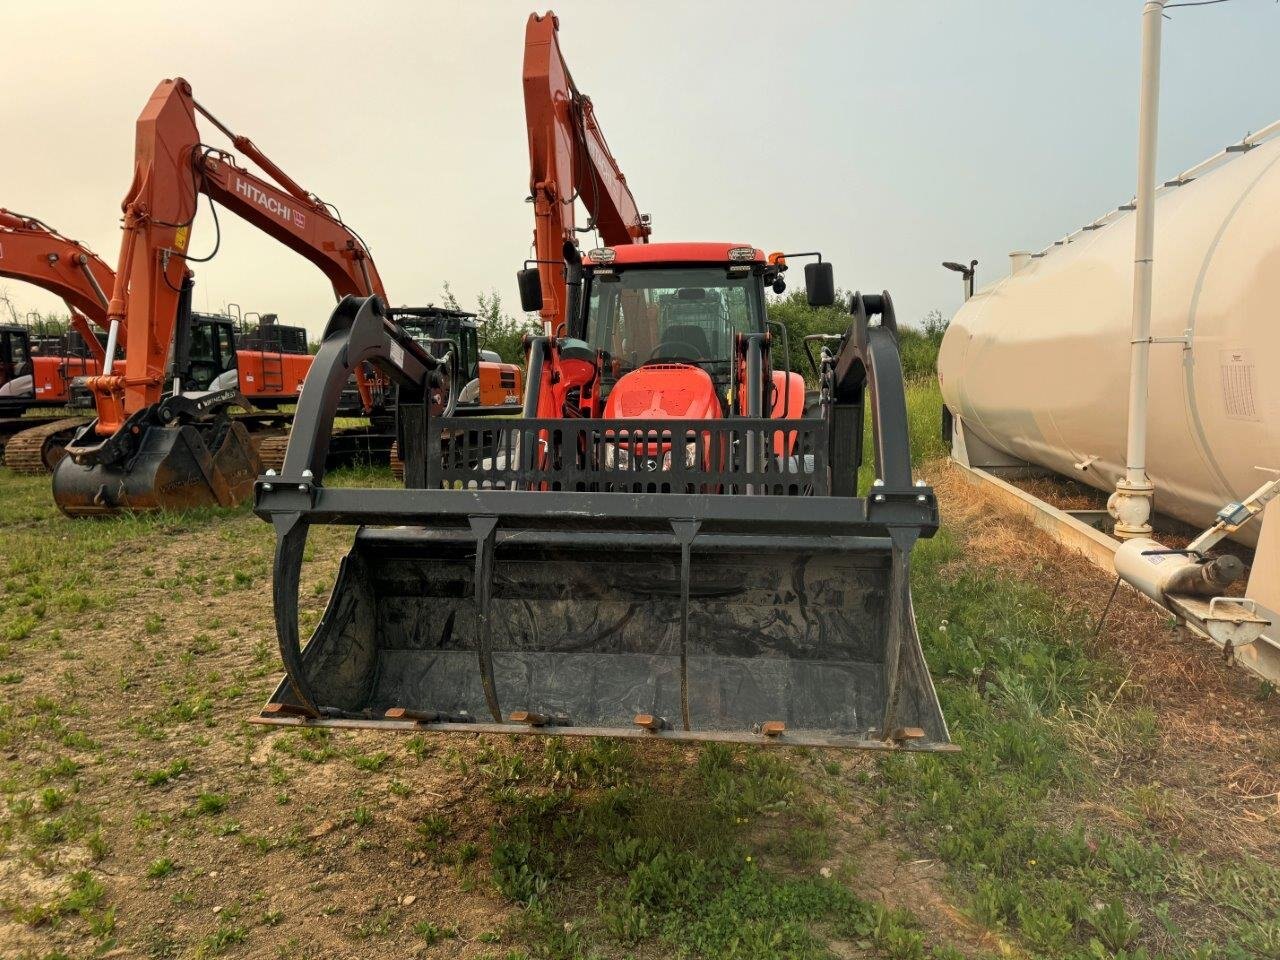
(673, 313)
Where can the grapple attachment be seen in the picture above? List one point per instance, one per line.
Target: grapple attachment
(530, 581)
(157, 461)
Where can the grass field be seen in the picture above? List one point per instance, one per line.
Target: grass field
(1116, 796)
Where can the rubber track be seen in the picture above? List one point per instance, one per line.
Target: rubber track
(39, 449)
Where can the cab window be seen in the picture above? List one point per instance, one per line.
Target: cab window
(687, 314)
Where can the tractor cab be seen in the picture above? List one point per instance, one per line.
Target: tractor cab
(672, 330)
(671, 316)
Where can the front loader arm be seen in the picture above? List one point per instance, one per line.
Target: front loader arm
(865, 364)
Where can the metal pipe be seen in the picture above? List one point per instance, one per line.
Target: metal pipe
(1135, 492)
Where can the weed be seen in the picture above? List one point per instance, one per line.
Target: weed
(217, 942)
(161, 868)
(432, 933)
(1113, 925)
(98, 846)
(361, 816)
(806, 845)
(370, 762)
(208, 804)
(162, 775)
(379, 926)
(419, 747)
(51, 798)
(435, 826)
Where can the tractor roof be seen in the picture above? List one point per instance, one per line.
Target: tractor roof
(652, 253)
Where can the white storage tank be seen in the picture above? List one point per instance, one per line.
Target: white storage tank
(1037, 364)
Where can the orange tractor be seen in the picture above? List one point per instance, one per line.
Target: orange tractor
(666, 544)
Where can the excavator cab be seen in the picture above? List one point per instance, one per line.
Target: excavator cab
(17, 391)
(211, 356)
(661, 546)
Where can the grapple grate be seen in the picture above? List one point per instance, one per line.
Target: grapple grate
(736, 456)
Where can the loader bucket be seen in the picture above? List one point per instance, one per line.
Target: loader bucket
(167, 467)
(729, 637)
(530, 579)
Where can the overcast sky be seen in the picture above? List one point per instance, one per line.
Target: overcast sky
(891, 134)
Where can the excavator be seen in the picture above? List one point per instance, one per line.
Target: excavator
(153, 448)
(40, 375)
(666, 544)
(268, 367)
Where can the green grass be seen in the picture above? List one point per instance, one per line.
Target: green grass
(1033, 706)
(669, 855)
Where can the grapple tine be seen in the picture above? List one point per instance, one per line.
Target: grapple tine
(484, 529)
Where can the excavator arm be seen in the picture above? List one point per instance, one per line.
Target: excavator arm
(172, 167)
(569, 160)
(35, 253)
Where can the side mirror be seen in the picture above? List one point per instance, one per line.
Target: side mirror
(530, 285)
(820, 284)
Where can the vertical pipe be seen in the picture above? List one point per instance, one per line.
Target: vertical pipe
(1134, 494)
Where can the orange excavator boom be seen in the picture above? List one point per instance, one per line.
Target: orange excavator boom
(569, 160)
(149, 449)
(172, 167)
(36, 253)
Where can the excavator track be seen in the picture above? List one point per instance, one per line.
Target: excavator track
(353, 445)
(39, 449)
(271, 450)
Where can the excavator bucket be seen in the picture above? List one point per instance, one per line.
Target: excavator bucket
(157, 463)
(533, 579)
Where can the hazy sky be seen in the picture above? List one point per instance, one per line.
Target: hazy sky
(891, 134)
